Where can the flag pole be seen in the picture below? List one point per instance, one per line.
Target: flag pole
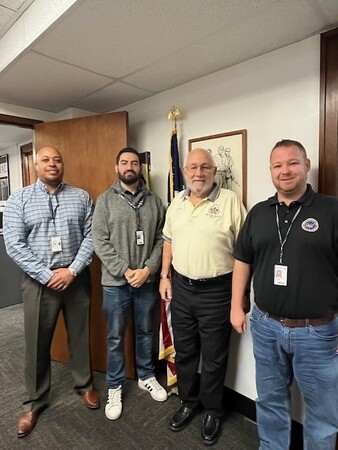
(175, 180)
(175, 184)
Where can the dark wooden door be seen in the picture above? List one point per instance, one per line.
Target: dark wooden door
(89, 146)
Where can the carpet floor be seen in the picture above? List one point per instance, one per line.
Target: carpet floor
(68, 424)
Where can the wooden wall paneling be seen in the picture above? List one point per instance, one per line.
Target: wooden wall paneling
(89, 146)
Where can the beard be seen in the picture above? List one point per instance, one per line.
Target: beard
(132, 178)
(202, 190)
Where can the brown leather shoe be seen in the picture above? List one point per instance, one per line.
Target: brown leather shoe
(91, 399)
(26, 423)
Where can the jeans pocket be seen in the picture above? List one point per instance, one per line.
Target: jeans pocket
(326, 332)
(256, 315)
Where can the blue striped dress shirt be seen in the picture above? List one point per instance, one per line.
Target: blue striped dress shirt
(33, 216)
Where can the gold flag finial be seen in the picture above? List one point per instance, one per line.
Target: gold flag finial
(174, 114)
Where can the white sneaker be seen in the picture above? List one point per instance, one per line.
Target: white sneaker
(113, 409)
(154, 388)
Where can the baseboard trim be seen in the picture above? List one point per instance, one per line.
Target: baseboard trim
(233, 401)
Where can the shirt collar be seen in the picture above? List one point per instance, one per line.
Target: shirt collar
(44, 188)
(305, 200)
(118, 187)
(211, 197)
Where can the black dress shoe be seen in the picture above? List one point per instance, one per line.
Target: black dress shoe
(182, 418)
(211, 429)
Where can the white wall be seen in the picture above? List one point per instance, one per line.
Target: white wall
(273, 96)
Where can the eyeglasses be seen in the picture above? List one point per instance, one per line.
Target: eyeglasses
(204, 168)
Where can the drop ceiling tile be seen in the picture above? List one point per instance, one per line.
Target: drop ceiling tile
(39, 82)
(13, 4)
(134, 34)
(112, 97)
(5, 16)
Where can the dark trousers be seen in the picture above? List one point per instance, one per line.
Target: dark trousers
(41, 310)
(201, 327)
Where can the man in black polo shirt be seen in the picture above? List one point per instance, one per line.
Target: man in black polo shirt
(290, 244)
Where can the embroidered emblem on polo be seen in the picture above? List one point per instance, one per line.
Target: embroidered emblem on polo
(310, 225)
(214, 211)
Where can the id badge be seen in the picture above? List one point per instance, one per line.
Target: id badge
(56, 244)
(280, 275)
(139, 237)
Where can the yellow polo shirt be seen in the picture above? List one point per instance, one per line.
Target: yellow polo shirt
(203, 236)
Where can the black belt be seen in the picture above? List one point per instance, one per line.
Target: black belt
(205, 281)
(293, 323)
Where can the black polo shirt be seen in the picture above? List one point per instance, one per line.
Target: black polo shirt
(310, 253)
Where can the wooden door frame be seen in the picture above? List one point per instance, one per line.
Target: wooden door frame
(21, 122)
(328, 130)
(26, 150)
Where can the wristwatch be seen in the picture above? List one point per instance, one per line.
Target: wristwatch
(72, 271)
(163, 277)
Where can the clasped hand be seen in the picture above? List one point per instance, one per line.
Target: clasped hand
(137, 277)
(60, 280)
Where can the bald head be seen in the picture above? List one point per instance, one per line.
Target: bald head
(47, 148)
(199, 152)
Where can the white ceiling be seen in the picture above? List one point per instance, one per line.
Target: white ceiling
(101, 55)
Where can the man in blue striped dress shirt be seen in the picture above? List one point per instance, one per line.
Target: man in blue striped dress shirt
(47, 231)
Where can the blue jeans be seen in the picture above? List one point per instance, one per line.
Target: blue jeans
(308, 354)
(119, 302)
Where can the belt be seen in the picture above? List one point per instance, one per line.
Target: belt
(205, 281)
(293, 323)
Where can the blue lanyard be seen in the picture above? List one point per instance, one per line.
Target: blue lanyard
(53, 209)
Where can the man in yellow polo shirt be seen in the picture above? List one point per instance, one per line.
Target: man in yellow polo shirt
(202, 225)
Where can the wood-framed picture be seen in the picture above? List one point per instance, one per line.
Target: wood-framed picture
(229, 153)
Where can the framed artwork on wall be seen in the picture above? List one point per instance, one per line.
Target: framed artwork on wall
(229, 153)
(4, 179)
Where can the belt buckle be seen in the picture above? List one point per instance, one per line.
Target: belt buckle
(282, 321)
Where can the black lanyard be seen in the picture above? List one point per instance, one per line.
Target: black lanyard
(282, 242)
(136, 208)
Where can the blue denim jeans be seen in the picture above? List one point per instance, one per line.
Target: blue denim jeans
(119, 302)
(308, 354)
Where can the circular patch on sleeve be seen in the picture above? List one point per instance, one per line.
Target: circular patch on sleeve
(310, 225)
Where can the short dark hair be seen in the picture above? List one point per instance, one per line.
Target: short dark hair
(290, 143)
(127, 150)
